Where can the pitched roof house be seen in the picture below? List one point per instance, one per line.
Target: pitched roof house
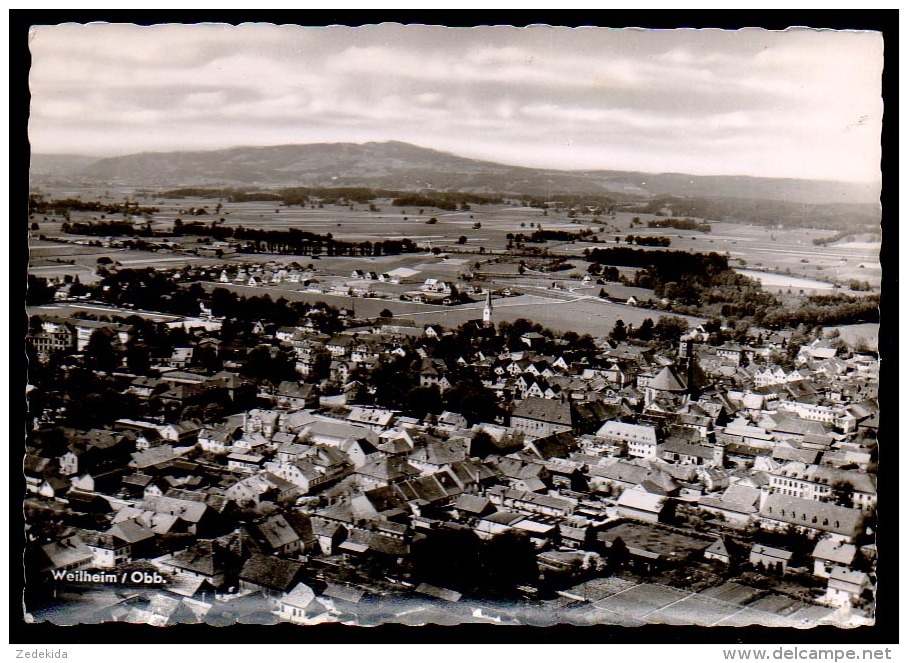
(541, 417)
(272, 576)
(839, 522)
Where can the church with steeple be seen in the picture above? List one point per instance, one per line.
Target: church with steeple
(487, 310)
(682, 381)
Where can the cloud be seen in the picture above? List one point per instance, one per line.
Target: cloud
(796, 103)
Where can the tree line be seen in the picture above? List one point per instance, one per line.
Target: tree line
(679, 224)
(300, 242)
(836, 216)
(38, 205)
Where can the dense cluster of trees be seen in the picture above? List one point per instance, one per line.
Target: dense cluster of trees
(459, 559)
(860, 286)
(106, 229)
(668, 265)
(214, 229)
(288, 196)
(195, 192)
(395, 384)
(88, 399)
(690, 279)
(270, 363)
(92, 389)
(148, 289)
(643, 240)
(680, 224)
(342, 195)
(825, 310)
(698, 284)
(300, 242)
(576, 203)
(228, 304)
(605, 272)
(447, 200)
(667, 329)
(38, 205)
(539, 236)
(845, 234)
(152, 290)
(291, 241)
(38, 291)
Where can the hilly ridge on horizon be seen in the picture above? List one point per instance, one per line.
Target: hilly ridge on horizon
(402, 166)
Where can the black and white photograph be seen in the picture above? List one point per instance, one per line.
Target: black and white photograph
(426, 325)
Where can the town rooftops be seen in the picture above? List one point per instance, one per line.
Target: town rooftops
(439, 593)
(783, 452)
(67, 552)
(153, 456)
(102, 540)
(823, 516)
(472, 504)
(433, 488)
(440, 453)
(860, 481)
(344, 593)
(617, 430)
(687, 449)
(793, 425)
(776, 553)
(718, 548)
(187, 510)
(514, 468)
(546, 410)
(668, 380)
(390, 468)
(504, 517)
(339, 431)
(206, 557)
(639, 500)
(295, 390)
(737, 498)
(271, 573)
(527, 497)
(159, 523)
(841, 578)
(300, 597)
(277, 531)
(620, 471)
(835, 551)
(371, 416)
(130, 531)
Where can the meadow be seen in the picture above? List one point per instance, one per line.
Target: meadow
(782, 258)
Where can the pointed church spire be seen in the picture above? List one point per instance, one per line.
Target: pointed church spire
(487, 311)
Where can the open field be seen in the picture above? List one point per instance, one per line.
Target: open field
(867, 332)
(364, 306)
(774, 249)
(781, 282)
(646, 537)
(584, 315)
(728, 604)
(770, 249)
(54, 260)
(69, 309)
(693, 610)
(781, 258)
(596, 589)
(642, 600)
(732, 592)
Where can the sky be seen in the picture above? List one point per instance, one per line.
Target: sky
(799, 103)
